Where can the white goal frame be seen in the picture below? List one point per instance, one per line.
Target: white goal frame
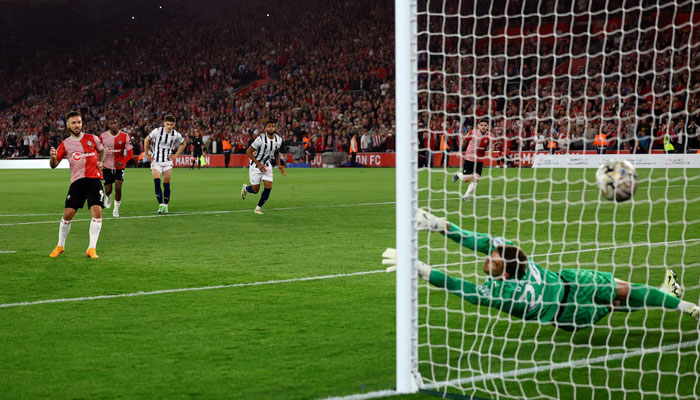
(407, 378)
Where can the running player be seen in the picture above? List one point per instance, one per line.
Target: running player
(571, 299)
(478, 140)
(85, 155)
(119, 152)
(162, 139)
(264, 148)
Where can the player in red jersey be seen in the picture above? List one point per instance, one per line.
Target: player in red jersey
(85, 155)
(119, 152)
(478, 140)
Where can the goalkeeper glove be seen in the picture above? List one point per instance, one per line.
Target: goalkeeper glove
(389, 258)
(426, 221)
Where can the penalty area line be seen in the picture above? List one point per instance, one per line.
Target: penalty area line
(194, 289)
(7, 251)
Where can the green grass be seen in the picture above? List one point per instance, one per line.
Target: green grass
(327, 337)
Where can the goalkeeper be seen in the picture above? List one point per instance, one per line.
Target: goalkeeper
(571, 299)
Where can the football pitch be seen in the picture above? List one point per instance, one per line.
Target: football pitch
(214, 301)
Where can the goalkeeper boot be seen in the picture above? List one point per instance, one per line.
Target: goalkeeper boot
(56, 251)
(244, 192)
(671, 284)
(426, 221)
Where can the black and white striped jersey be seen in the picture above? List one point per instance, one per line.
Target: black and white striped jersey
(162, 143)
(265, 148)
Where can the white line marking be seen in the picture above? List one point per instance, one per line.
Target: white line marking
(528, 371)
(209, 212)
(7, 251)
(165, 291)
(365, 396)
(569, 364)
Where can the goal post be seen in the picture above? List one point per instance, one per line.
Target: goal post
(406, 198)
(564, 85)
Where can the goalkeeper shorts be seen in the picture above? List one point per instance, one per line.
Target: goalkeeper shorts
(590, 298)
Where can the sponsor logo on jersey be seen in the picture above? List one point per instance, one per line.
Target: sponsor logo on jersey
(77, 156)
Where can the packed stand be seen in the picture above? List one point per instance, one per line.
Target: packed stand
(324, 79)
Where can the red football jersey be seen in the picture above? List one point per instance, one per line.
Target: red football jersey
(118, 148)
(478, 143)
(82, 155)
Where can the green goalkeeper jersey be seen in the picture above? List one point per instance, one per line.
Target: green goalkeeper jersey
(535, 296)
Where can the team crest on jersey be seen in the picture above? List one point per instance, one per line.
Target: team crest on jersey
(89, 143)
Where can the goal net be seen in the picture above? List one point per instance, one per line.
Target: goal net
(562, 85)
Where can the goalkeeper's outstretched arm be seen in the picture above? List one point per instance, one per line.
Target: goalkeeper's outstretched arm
(465, 289)
(481, 242)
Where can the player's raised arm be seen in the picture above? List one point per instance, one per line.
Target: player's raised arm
(465, 289)
(56, 155)
(481, 242)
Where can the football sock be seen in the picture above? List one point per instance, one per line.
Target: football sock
(249, 189)
(264, 196)
(644, 295)
(117, 203)
(159, 193)
(63, 230)
(166, 195)
(95, 228)
(470, 189)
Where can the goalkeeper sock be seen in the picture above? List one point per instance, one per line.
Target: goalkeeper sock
(166, 195)
(644, 295)
(159, 193)
(63, 230)
(264, 196)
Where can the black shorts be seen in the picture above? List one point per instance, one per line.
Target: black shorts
(468, 167)
(112, 175)
(89, 189)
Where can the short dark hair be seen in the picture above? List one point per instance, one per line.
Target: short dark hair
(271, 121)
(170, 118)
(514, 260)
(71, 114)
(484, 119)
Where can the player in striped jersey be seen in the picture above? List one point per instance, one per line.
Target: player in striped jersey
(119, 152)
(261, 152)
(571, 299)
(478, 140)
(85, 155)
(158, 148)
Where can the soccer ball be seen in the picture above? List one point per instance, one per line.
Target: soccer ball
(617, 180)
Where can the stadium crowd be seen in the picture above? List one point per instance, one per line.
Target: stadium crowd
(324, 79)
(325, 71)
(573, 89)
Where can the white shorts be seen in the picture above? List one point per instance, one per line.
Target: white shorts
(162, 166)
(256, 175)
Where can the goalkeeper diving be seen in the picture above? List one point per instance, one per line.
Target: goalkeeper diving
(571, 299)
